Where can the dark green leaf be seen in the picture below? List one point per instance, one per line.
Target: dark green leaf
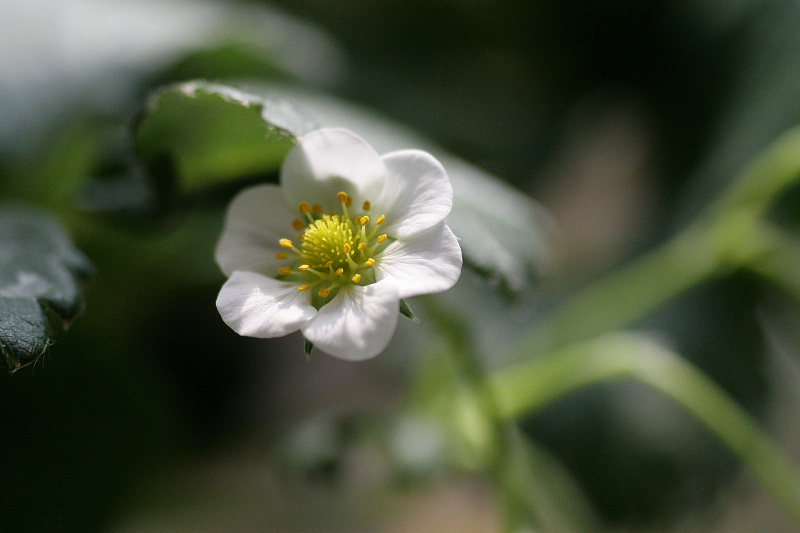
(214, 134)
(40, 274)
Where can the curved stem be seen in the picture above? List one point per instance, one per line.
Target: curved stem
(727, 236)
(534, 489)
(627, 294)
(697, 254)
(530, 386)
(765, 178)
(781, 265)
(730, 235)
(495, 441)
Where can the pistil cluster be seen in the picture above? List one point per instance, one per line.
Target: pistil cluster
(335, 249)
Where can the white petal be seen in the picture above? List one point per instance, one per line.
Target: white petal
(330, 160)
(257, 306)
(425, 263)
(257, 218)
(358, 323)
(417, 194)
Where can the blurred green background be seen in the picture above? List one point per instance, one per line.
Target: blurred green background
(622, 118)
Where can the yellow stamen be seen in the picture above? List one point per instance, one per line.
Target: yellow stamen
(328, 245)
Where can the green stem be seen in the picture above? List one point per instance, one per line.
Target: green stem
(730, 235)
(498, 448)
(535, 490)
(691, 257)
(528, 387)
(781, 265)
(724, 238)
(627, 294)
(768, 176)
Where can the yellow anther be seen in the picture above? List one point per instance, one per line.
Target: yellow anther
(349, 201)
(380, 220)
(357, 221)
(286, 243)
(303, 267)
(304, 208)
(328, 264)
(382, 238)
(303, 287)
(317, 209)
(339, 271)
(284, 271)
(324, 292)
(366, 205)
(361, 245)
(342, 197)
(370, 262)
(298, 224)
(356, 278)
(281, 255)
(364, 220)
(346, 248)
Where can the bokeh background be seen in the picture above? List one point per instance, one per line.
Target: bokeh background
(621, 118)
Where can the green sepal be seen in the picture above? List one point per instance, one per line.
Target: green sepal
(406, 311)
(308, 346)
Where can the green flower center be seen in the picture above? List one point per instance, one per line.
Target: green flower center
(335, 250)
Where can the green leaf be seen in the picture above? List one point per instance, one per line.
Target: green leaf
(40, 275)
(214, 134)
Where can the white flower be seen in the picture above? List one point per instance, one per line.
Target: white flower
(333, 250)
